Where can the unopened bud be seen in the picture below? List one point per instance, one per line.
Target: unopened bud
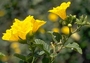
(69, 25)
(72, 48)
(74, 16)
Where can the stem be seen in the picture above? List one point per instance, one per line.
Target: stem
(33, 59)
(77, 29)
(51, 60)
(54, 38)
(65, 40)
(53, 47)
(70, 31)
(33, 48)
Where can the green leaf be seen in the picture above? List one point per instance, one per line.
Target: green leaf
(57, 36)
(1, 55)
(41, 52)
(53, 36)
(75, 46)
(20, 56)
(44, 46)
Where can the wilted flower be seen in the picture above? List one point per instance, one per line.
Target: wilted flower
(20, 29)
(61, 10)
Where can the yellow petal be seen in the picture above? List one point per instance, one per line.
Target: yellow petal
(37, 24)
(9, 35)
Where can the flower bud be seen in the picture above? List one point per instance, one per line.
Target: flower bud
(69, 25)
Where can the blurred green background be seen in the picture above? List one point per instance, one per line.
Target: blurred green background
(11, 9)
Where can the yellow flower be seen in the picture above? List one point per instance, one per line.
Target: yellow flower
(55, 30)
(20, 29)
(9, 35)
(61, 10)
(52, 17)
(65, 30)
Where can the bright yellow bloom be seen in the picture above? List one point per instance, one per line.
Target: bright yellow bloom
(52, 17)
(61, 10)
(55, 30)
(20, 29)
(9, 35)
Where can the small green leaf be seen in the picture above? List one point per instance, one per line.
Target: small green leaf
(58, 36)
(53, 36)
(75, 46)
(44, 46)
(1, 55)
(20, 56)
(41, 53)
